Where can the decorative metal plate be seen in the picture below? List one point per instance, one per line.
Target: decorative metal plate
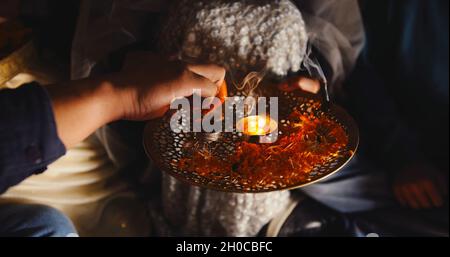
(166, 147)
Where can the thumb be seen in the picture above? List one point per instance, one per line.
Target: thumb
(196, 82)
(214, 73)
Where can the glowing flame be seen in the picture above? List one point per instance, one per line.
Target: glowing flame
(257, 125)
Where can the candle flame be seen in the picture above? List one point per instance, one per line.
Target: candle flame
(257, 125)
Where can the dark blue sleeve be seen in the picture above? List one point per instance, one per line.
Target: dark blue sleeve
(28, 137)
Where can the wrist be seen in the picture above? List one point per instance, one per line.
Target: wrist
(112, 98)
(81, 107)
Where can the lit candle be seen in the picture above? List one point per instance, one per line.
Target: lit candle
(257, 125)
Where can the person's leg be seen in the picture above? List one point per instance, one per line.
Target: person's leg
(31, 220)
(401, 222)
(358, 187)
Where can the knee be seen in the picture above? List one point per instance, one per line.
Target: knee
(40, 221)
(51, 221)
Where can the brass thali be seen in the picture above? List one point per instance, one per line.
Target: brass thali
(166, 147)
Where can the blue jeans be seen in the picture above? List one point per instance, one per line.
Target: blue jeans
(359, 187)
(30, 220)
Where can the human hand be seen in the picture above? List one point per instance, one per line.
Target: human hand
(302, 83)
(148, 83)
(143, 90)
(420, 186)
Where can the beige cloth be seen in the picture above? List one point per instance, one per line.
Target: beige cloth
(84, 184)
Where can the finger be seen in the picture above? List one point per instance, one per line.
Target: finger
(399, 196)
(433, 193)
(223, 91)
(309, 85)
(208, 88)
(420, 196)
(192, 81)
(212, 72)
(185, 87)
(158, 113)
(409, 197)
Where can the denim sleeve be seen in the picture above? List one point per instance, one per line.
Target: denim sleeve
(28, 137)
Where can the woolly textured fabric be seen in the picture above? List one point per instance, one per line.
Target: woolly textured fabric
(242, 36)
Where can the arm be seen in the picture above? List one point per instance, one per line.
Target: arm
(336, 31)
(142, 91)
(37, 125)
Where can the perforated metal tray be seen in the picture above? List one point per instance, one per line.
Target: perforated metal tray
(166, 147)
